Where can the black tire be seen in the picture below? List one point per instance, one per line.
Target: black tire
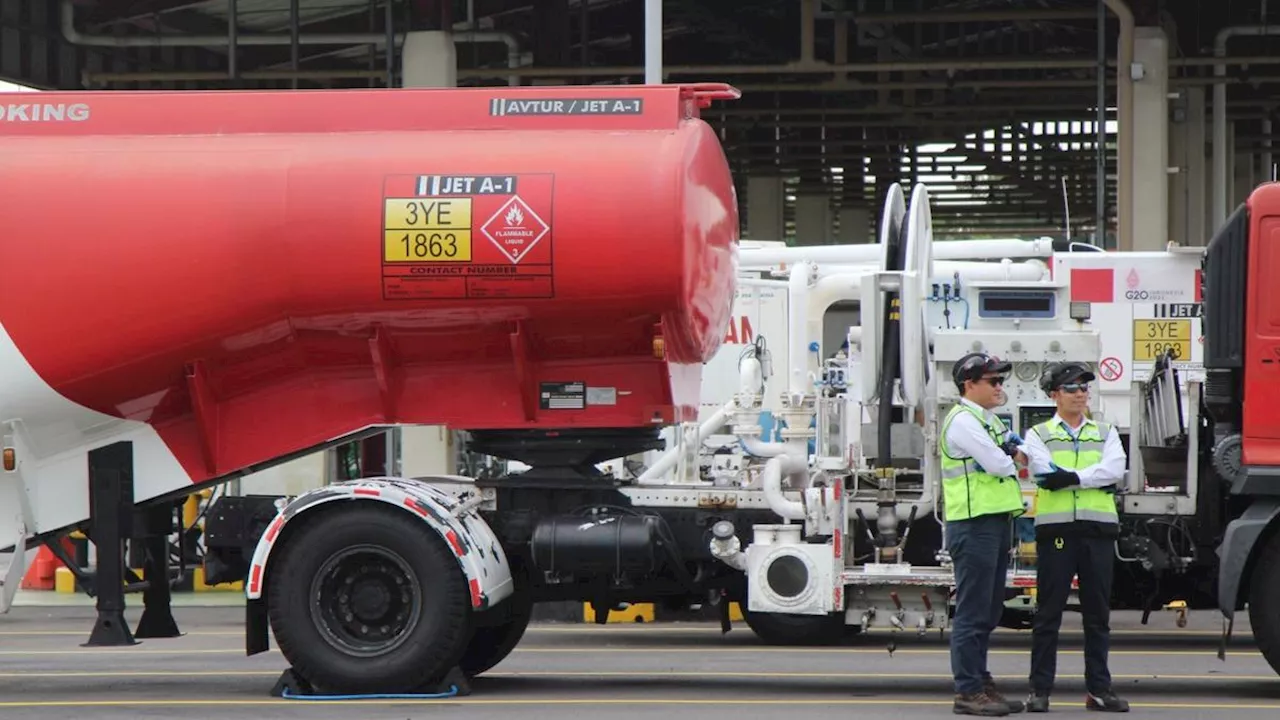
(1264, 601)
(406, 556)
(493, 642)
(800, 630)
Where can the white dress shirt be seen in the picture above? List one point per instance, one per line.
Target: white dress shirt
(967, 438)
(1108, 471)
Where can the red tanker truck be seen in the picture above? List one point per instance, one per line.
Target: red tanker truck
(198, 285)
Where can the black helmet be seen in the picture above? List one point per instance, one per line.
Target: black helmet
(974, 365)
(1059, 374)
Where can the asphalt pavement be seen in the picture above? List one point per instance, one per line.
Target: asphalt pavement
(668, 671)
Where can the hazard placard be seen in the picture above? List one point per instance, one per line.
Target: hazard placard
(1154, 338)
(515, 229)
(456, 237)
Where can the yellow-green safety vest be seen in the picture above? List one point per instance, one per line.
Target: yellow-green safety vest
(1068, 505)
(968, 492)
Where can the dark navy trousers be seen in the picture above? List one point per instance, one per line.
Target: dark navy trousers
(979, 550)
(1058, 560)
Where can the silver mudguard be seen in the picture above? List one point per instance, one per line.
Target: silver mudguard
(455, 519)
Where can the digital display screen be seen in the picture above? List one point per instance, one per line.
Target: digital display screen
(1011, 304)
(1021, 303)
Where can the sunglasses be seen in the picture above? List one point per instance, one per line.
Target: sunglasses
(1074, 387)
(993, 381)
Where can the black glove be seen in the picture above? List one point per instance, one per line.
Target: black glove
(1058, 479)
(1010, 447)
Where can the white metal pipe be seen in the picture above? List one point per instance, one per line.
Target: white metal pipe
(793, 466)
(652, 42)
(797, 337)
(1124, 122)
(831, 289)
(652, 475)
(1220, 149)
(826, 292)
(750, 383)
(762, 448)
(1031, 269)
(753, 258)
(1028, 270)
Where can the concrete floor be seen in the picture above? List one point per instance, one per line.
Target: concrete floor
(655, 671)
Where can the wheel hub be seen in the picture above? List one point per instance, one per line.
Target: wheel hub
(365, 600)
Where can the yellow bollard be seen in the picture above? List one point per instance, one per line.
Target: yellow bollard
(64, 581)
(637, 612)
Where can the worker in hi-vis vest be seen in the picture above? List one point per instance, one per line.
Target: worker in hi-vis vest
(1078, 463)
(981, 497)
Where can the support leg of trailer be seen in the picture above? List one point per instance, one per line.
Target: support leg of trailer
(157, 612)
(110, 517)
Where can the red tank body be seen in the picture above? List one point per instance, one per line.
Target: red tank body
(254, 274)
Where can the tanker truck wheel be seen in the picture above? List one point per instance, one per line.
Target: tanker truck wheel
(367, 599)
(799, 630)
(1264, 601)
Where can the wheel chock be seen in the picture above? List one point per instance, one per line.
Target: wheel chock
(294, 686)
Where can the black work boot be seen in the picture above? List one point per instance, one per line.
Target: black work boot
(979, 703)
(1106, 702)
(1015, 706)
(1037, 702)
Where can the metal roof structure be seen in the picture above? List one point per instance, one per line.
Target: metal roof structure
(993, 101)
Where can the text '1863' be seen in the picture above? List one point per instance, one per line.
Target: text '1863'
(436, 230)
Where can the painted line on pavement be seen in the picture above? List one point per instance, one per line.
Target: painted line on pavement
(742, 650)
(895, 702)
(1269, 678)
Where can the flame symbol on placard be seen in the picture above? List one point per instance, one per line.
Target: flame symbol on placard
(514, 216)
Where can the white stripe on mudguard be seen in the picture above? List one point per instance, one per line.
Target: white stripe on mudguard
(52, 437)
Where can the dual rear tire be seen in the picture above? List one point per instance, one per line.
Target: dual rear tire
(367, 599)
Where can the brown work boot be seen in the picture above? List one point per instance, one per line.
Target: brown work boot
(1015, 706)
(979, 703)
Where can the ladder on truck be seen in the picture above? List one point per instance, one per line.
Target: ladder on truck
(1163, 439)
(1164, 423)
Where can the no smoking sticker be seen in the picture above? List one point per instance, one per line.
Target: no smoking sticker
(1110, 369)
